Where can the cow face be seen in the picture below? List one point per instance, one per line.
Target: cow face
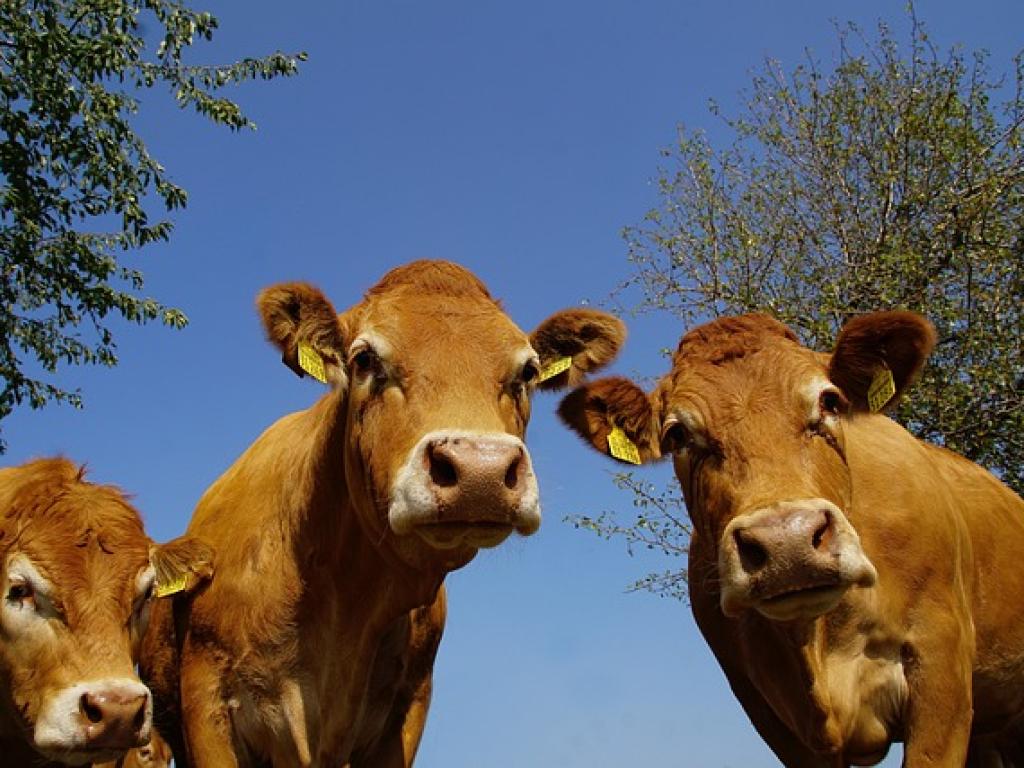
(434, 381)
(76, 585)
(754, 424)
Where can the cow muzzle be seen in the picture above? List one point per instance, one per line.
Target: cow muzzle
(465, 489)
(791, 560)
(95, 721)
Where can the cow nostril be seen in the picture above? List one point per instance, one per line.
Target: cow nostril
(442, 471)
(92, 712)
(823, 533)
(753, 556)
(512, 474)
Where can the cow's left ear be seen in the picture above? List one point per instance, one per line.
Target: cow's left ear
(877, 356)
(181, 565)
(575, 342)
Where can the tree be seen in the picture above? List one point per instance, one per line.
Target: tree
(892, 181)
(76, 176)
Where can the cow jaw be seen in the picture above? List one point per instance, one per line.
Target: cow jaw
(791, 560)
(459, 490)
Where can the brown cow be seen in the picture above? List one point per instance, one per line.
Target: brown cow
(78, 578)
(333, 532)
(858, 587)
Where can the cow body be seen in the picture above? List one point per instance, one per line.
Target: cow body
(858, 586)
(333, 532)
(78, 579)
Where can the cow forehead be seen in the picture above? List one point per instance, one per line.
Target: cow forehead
(63, 531)
(769, 378)
(439, 327)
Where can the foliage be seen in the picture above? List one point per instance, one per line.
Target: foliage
(896, 180)
(660, 524)
(75, 175)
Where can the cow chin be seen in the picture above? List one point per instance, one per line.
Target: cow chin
(791, 561)
(460, 491)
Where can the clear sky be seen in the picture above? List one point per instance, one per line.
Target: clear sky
(517, 139)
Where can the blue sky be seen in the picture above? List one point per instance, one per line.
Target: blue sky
(517, 139)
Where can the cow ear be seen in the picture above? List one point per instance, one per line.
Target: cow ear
(302, 323)
(181, 565)
(575, 342)
(872, 347)
(602, 412)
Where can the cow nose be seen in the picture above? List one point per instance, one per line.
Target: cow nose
(463, 470)
(115, 719)
(792, 536)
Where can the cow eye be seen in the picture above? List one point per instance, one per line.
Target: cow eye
(530, 373)
(19, 592)
(366, 362)
(832, 403)
(363, 360)
(674, 438)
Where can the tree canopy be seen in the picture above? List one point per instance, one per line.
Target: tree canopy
(76, 176)
(895, 179)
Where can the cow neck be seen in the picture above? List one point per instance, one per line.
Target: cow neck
(330, 538)
(801, 646)
(793, 651)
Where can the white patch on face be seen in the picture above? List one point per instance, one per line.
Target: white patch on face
(414, 500)
(62, 729)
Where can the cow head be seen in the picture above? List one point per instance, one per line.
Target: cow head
(77, 581)
(754, 424)
(433, 383)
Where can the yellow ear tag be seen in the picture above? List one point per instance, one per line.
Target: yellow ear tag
(553, 369)
(171, 587)
(881, 390)
(621, 447)
(311, 362)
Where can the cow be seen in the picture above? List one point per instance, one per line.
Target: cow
(78, 581)
(857, 586)
(333, 532)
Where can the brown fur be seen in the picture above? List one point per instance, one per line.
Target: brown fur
(933, 653)
(314, 643)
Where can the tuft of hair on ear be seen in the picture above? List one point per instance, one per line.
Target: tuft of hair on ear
(187, 561)
(294, 312)
(595, 408)
(590, 337)
(898, 340)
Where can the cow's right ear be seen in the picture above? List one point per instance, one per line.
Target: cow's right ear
(181, 565)
(302, 323)
(605, 410)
